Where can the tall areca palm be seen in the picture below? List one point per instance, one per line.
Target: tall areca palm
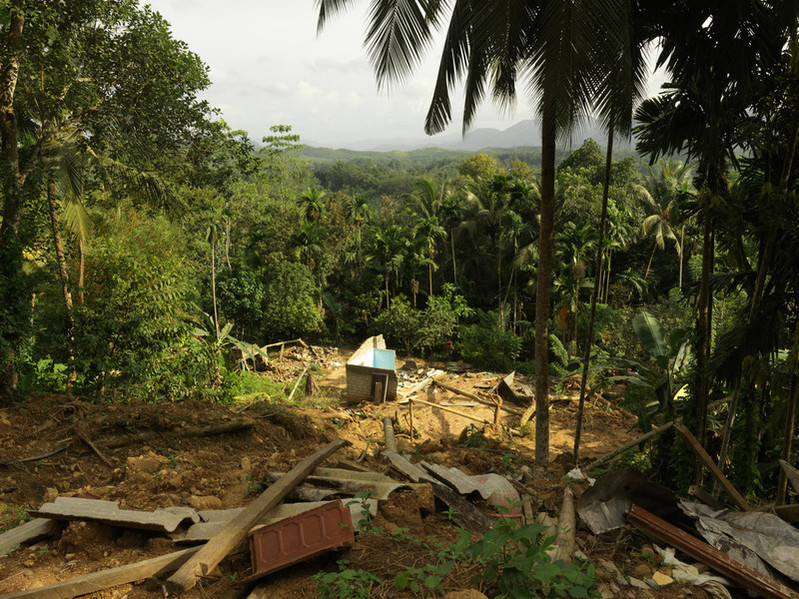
(715, 52)
(554, 47)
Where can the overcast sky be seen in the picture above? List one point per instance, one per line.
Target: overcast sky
(268, 66)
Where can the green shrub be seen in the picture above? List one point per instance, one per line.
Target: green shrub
(289, 308)
(488, 346)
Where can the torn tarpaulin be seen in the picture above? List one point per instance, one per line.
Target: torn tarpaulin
(764, 535)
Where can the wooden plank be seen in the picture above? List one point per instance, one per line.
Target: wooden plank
(715, 471)
(97, 581)
(451, 410)
(29, 532)
(718, 560)
(235, 532)
(476, 398)
(108, 512)
(464, 512)
(792, 474)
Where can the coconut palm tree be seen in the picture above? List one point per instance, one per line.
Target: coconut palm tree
(555, 48)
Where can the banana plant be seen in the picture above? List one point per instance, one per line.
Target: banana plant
(663, 376)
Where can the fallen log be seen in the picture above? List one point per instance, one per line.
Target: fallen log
(388, 428)
(714, 470)
(98, 581)
(565, 541)
(213, 552)
(58, 449)
(234, 426)
(476, 398)
(699, 550)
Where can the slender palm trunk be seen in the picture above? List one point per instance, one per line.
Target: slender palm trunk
(454, 269)
(544, 283)
(787, 439)
(430, 276)
(703, 334)
(81, 267)
(217, 382)
(595, 297)
(10, 247)
(649, 264)
(500, 303)
(64, 274)
(682, 246)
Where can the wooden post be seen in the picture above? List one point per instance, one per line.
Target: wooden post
(410, 417)
(236, 530)
(711, 466)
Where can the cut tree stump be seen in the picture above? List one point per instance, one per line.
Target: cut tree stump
(235, 532)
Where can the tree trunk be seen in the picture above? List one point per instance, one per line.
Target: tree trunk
(217, 382)
(500, 303)
(386, 279)
(544, 283)
(430, 276)
(64, 274)
(682, 246)
(703, 334)
(12, 279)
(607, 278)
(81, 267)
(648, 264)
(787, 439)
(595, 297)
(12, 207)
(454, 269)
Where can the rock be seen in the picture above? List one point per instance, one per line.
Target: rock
(205, 502)
(662, 579)
(50, 493)
(246, 464)
(410, 365)
(638, 584)
(605, 592)
(643, 571)
(149, 462)
(467, 594)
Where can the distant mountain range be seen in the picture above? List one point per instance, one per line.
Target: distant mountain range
(523, 133)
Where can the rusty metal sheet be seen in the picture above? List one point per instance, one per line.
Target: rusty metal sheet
(292, 540)
(699, 550)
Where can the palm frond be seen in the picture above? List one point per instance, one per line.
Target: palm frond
(398, 35)
(329, 8)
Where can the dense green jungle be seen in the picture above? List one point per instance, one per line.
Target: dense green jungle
(143, 240)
